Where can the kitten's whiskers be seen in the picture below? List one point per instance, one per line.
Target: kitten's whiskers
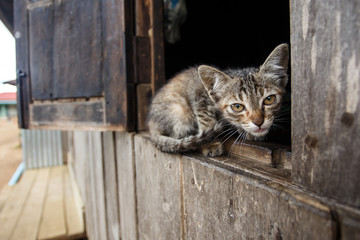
(221, 143)
(226, 131)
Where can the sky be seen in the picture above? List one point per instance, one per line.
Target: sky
(7, 59)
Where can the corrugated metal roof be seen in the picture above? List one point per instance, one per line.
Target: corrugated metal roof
(6, 96)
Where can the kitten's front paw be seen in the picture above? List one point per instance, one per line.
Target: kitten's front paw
(212, 149)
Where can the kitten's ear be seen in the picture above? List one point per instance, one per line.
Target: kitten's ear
(276, 65)
(211, 77)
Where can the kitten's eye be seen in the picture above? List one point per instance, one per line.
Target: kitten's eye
(269, 100)
(236, 107)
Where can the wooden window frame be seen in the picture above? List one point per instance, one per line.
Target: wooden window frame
(127, 88)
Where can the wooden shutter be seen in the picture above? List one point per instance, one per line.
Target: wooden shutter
(74, 64)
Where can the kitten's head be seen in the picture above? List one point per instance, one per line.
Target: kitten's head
(249, 98)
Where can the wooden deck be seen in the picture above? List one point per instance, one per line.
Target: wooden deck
(44, 204)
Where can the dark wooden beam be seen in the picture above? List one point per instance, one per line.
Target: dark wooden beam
(7, 14)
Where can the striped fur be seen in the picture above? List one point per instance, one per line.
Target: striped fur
(196, 105)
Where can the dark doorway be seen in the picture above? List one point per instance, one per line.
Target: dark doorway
(228, 33)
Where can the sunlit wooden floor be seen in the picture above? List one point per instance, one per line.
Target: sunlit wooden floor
(44, 204)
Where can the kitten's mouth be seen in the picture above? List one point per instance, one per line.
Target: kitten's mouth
(260, 132)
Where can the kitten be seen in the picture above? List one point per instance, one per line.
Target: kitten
(198, 103)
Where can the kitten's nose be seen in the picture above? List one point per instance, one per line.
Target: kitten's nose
(258, 121)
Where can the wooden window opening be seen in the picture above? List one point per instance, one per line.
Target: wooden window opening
(237, 34)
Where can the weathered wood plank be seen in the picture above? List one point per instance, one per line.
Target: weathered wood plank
(158, 192)
(272, 154)
(15, 203)
(79, 157)
(95, 199)
(74, 218)
(68, 114)
(88, 185)
(125, 163)
(222, 205)
(79, 202)
(41, 37)
(142, 14)
(98, 175)
(118, 62)
(249, 167)
(85, 158)
(325, 43)
(248, 150)
(4, 194)
(282, 158)
(29, 222)
(157, 45)
(22, 62)
(349, 223)
(142, 59)
(111, 187)
(52, 224)
(143, 94)
(78, 26)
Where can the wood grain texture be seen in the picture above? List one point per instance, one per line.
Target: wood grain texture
(95, 185)
(79, 155)
(29, 222)
(77, 49)
(222, 205)
(157, 45)
(142, 14)
(111, 186)
(15, 203)
(125, 163)
(282, 158)
(79, 202)
(41, 37)
(117, 63)
(88, 189)
(142, 59)
(42, 206)
(325, 46)
(53, 223)
(67, 113)
(158, 192)
(144, 94)
(248, 150)
(349, 220)
(89, 173)
(22, 62)
(4, 194)
(73, 214)
(250, 168)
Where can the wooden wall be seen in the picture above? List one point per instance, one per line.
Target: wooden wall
(325, 58)
(133, 191)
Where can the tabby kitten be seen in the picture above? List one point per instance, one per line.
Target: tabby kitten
(199, 103)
